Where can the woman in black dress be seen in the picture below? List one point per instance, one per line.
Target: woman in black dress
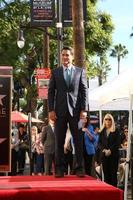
(108, 150)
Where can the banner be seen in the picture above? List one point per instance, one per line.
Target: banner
(5, 120)
(42, 13)
(67, 12)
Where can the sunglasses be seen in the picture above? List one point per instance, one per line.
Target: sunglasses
(108, 119)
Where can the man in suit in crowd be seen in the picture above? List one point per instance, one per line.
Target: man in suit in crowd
(67, 100)
(48, 140)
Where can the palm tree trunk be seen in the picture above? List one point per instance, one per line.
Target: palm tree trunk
(118, 65)
(99, 80)
(78, 33)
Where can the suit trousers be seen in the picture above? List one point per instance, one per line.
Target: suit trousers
(61, 126)
(49, 159)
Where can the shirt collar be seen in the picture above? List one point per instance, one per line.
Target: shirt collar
(52, 125)
(69, 67)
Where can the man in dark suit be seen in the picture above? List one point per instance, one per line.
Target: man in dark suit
(67, 100)
(48, 140)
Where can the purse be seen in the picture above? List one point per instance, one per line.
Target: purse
(24, 145)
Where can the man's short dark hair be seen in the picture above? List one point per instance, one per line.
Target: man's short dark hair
(68, 48)
(21, 126)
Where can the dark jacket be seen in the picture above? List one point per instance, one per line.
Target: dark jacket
(48, 140)
(111, 142)
(61, 98)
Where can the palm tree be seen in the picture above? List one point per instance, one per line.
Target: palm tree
(119, 52)
(102, 69)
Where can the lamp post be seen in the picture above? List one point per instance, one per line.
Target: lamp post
(21, 43)
(20, 40)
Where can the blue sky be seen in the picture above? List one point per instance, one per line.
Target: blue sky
(122, 17)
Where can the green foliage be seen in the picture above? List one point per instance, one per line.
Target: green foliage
(98, 30)
(119, 51)
(10, 17)
(98, 69)
(98, 34)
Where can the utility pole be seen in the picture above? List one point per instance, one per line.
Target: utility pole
(78, 33)
(45, 64)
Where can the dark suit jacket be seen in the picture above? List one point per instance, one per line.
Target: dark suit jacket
(48, 140)
(61, 98)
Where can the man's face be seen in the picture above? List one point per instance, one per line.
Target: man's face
(84, 117)
(21, 129)
(67, 57)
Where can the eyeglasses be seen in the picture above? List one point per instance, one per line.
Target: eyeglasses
(108, 119)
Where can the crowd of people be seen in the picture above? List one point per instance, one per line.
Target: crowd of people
(104, 150)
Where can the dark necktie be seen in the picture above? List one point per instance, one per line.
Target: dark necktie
(68, 76)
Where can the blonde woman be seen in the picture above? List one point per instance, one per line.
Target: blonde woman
(108, 150)
(37, 152)
(34, 133)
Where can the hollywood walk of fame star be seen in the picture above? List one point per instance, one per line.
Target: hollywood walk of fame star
(2, 140)
(1, 97)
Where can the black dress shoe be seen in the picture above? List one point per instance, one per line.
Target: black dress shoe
(59, 175)
(80, 174)
(72, 172)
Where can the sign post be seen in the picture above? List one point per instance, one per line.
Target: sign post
(5, 118)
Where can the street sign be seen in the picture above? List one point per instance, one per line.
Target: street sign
(42, 77)
(43, 73)
(42, 13)
(43, 91)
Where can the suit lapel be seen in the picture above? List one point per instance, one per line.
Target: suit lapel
(73, 74)
(50, 129)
